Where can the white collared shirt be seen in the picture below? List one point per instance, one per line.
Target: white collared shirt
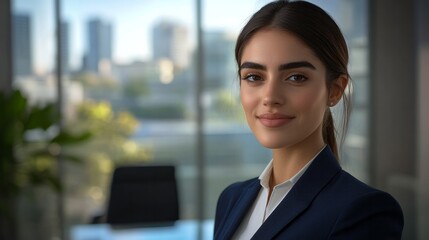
(260, 210)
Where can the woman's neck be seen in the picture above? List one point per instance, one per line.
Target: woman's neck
(288, 161)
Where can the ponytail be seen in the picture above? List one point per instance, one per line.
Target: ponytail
(329, 133)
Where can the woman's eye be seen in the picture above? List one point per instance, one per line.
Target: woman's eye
(297, 78)
(252, 78)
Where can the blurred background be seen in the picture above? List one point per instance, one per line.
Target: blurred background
(155, 82)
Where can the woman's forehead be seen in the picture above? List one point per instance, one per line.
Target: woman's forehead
(275, 45)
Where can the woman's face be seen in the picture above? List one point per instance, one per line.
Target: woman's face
(283, 90)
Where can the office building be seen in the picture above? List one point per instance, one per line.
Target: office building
(98, 55)
(220, 70)
(170, 41)
(22, 55)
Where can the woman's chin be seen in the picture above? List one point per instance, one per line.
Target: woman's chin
(272, 144)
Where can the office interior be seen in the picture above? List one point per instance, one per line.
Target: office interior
(155, 83)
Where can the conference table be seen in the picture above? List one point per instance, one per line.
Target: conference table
(180, 230)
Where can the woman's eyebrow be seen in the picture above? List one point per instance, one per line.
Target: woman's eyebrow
(252, 65)
(286, 66)
(299, 64)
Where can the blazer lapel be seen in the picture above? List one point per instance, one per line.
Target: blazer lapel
(239, 210)
(318, 174)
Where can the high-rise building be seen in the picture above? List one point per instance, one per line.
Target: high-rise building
(170, 41)
(219, 60)
(65, 47)
(22, 56)
(98, 57)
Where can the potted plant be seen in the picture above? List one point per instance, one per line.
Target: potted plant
(29, 135)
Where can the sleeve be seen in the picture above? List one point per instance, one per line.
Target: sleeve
(375, 215)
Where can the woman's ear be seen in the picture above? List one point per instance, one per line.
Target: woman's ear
(337, 89)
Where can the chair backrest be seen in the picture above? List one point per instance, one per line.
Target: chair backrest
(142, 195)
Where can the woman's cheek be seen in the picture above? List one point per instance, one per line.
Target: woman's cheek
(247, 101)
(314, 101)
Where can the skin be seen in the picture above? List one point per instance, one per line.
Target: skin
(284, 96)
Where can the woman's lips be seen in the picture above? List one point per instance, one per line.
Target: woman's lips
(273, 120)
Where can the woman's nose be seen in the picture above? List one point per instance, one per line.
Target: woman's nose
(272, 94)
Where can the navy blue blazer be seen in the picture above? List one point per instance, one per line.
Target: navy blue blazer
(325, 203)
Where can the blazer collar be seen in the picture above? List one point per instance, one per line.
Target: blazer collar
(318, 174)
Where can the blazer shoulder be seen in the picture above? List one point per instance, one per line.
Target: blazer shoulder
(360, 194)
(365, 212)
(353, 186)
(373, 215)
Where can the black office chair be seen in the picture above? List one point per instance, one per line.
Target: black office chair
(143, 195)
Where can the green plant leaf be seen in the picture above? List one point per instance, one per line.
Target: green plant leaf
(41, 117)
(13, 110)
(44, 177)
(65, 137)
(17, 105)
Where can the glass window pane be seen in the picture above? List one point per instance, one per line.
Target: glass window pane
(232, 151)
(129, 80)
(33, 37)
(33, 59)
(352, 18)
(130, 65)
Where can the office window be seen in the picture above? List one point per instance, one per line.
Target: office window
(129, 77)
(232, 153)
(133, 63)
(33, 38)
(352, 18)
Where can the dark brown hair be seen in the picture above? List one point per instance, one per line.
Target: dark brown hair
(320, 32)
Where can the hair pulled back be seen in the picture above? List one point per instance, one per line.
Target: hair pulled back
(316, 29)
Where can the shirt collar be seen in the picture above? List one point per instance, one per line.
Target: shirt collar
(266, 174)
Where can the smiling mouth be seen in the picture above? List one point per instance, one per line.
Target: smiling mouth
(274, 120)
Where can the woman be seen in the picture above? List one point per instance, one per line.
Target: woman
(292, 61)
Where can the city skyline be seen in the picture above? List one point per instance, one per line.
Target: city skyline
(132, 23)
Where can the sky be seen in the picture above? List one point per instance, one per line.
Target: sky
(132, 22)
